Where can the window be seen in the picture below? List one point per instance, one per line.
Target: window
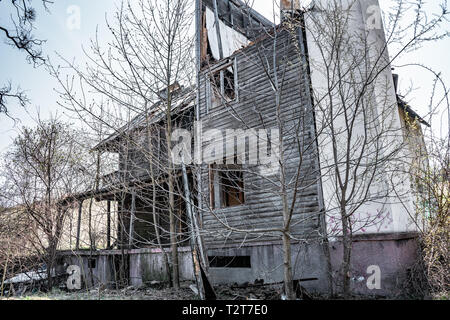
(226, 186)
(232, 188)
(222, 84)
(92, 263)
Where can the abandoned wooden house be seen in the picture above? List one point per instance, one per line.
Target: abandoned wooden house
(239, 203)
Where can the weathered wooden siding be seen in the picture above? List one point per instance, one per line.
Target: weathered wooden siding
(256, 109)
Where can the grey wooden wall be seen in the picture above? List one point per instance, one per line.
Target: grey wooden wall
(256, 108)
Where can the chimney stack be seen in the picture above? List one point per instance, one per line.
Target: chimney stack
(289, 7)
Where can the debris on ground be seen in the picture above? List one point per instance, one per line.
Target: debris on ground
(128, 293)
(157, 290)
(248, 291)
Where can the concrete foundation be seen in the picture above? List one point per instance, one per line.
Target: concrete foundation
(309, 265)
(379, 264)
(141, 266)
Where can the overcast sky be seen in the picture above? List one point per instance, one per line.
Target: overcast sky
(64, 37)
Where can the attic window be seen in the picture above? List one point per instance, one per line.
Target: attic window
(226, 186)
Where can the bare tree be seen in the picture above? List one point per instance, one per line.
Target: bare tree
(428, 164)
(18, 254)
(357, 109)
(40, 172)
(19, 35)
(269, 105)
(141, 76)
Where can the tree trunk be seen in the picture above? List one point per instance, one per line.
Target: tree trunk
(155, 218)
(346, 244)
(172, 217)
(5, 270)
(51, 252)
(288, 280)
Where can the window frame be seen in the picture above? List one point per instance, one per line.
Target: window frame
(216, 186)
(219, 72)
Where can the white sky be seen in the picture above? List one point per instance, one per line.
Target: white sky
(53, 27)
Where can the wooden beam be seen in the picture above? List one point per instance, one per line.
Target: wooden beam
(198, 252)
(236, 80)
(80, 210)
(211, 188)
(203, 42)
(200, 19)
(222, 83)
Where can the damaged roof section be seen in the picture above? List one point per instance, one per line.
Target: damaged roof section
(238, 24)
(402, 104)
(231, 39)
(240, 17)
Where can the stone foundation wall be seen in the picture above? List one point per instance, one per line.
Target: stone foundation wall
(381, 260)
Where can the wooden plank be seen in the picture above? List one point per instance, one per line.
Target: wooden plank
(236, 79)
(80, 210)
(108, 224)
(203, 42)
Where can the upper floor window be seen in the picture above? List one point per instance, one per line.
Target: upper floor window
(222, 85)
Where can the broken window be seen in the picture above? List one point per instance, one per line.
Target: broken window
(222, 85)
(223, 82)
(226, 186)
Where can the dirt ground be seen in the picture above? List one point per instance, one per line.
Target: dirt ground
(108, 294)
(158, 292)
(162, 292)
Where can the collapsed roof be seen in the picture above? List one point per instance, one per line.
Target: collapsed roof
(229, 25)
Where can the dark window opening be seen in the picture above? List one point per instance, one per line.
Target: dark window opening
(92, 263)
(59, 260)
(223, 82)
(229, 262)
(226, 186)
(232, 188)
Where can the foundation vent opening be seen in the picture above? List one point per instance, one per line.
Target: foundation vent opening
(229, 262)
